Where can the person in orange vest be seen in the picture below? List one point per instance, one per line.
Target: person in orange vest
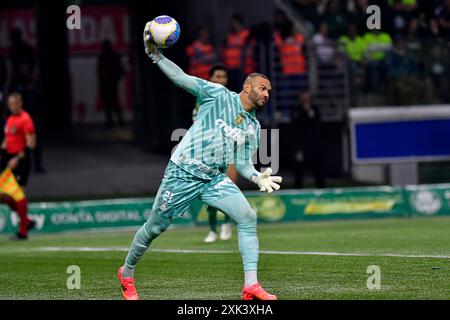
(290, 46)
(201, 54)
(292, 63)
(236, 54)
(250, 64)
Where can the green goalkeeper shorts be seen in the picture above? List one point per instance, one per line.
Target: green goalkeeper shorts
(178, 188)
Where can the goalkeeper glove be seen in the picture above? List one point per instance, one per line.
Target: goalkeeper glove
(266, 182)
(150, 48)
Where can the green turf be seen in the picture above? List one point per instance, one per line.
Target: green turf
(29, 274)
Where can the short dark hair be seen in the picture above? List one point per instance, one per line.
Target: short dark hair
(256, 74)
(15, 94)
(238, 17)
(217, 67)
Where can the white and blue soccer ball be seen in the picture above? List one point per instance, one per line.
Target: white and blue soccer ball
(164, 31)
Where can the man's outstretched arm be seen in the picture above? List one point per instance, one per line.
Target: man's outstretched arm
(170, 69)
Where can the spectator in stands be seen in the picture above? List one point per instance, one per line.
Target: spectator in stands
(110, 71)
(438, 67)
(324, 47)
(442, 19)
(328, 62)
(249, 54)
(335, 17)
(413, 41)
(293, 76)
(401, 13)
(427, 9)
(201, 54)
(307, 123)
(358, 15)
(353, 46)
(235, 54)
(280, 20)
(377, 44)
(405, 88)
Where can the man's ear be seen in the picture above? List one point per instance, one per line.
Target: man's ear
(247, 88)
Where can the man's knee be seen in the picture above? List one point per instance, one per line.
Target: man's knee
(156, 225)
(248, 217)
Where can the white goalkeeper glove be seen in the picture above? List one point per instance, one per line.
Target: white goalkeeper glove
(150, 48)
(266, 182)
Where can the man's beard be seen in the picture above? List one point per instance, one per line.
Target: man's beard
(257, 101)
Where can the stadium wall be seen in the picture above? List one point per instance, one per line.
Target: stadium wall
(284, 206)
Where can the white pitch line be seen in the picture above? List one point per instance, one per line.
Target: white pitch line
(312, 253)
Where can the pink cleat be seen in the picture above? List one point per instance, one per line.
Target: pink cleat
(128, 289)
(256, 292)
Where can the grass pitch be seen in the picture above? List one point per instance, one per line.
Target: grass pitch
(314, 260)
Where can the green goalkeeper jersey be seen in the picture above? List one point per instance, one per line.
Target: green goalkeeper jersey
(222, 133)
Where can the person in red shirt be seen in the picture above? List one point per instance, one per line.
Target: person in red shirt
(20, 139)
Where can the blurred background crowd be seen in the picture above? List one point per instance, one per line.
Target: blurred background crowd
(96, 85)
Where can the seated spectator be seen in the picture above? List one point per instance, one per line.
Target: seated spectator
(405, 88)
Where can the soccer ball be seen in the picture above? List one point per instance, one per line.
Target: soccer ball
(164, 31)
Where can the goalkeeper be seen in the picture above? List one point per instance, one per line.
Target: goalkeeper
(225, 131)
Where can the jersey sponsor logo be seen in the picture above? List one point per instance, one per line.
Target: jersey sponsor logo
(233, 133)
(202, 167)
(251, 130)
(239, 119)
(215, 85)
